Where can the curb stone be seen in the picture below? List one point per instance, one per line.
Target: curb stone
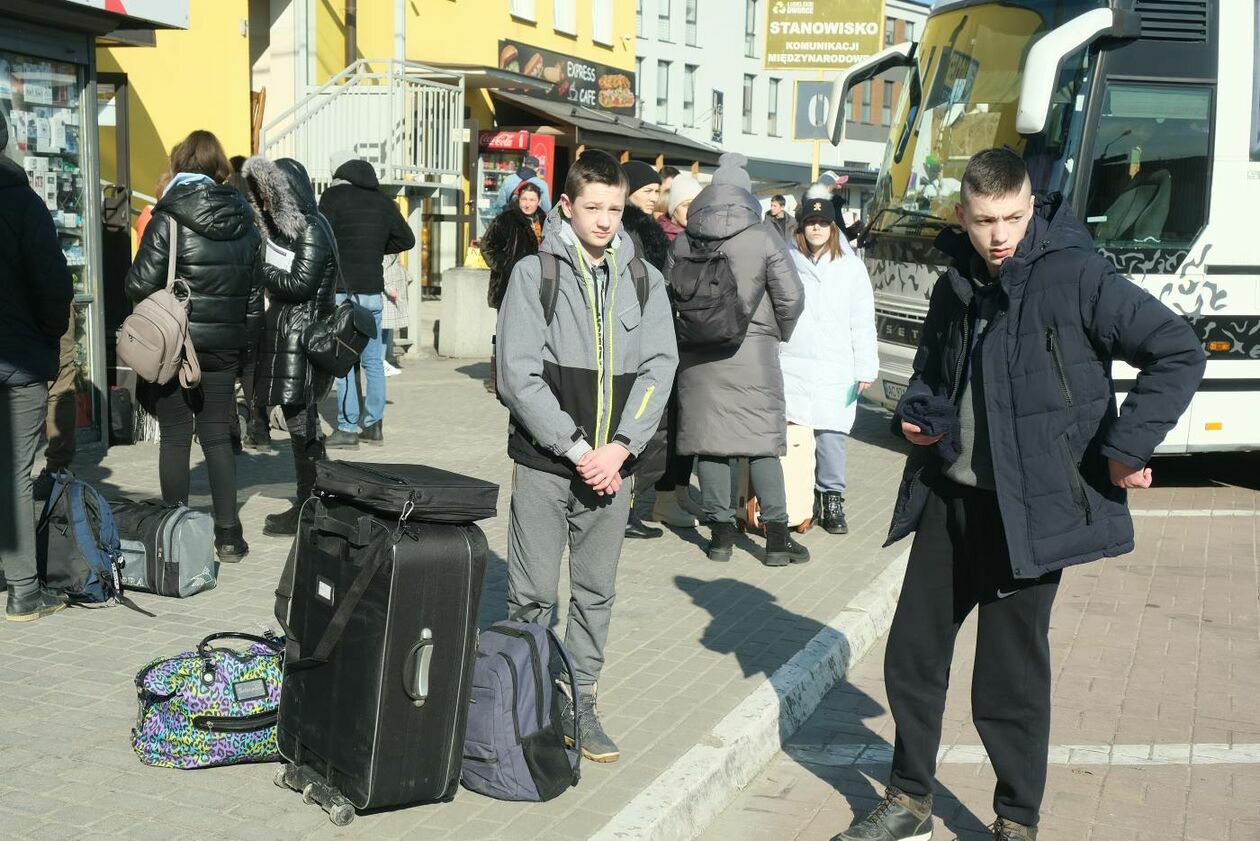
(680, 803)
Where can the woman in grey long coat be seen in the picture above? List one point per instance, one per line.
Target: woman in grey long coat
(732, 404)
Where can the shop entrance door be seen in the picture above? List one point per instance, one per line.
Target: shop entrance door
(116, 213)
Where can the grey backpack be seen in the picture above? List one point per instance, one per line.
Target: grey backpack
(154, 340)
(514, 748)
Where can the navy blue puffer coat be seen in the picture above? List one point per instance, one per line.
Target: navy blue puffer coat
(1065, 314)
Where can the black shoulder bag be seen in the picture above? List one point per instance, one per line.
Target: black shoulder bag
(334, 344)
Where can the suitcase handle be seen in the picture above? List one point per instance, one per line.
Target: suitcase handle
(416, 669)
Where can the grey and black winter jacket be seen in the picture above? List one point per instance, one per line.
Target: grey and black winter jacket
(600, 372)
(1063, 315)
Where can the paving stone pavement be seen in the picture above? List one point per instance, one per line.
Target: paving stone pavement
(1156, 648)
(690, 640)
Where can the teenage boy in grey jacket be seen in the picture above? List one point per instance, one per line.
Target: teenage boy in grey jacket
(586, 388)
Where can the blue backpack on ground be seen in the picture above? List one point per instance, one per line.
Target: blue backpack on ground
(514, 748)
(78, 549)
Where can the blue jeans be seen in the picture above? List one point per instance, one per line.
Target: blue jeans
(829, 460)
(373, 364)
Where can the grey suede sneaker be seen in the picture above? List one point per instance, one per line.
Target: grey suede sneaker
(1004, 830)
(596, 744)
(899, 818)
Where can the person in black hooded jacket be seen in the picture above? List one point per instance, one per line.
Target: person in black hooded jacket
(36, 291)
(368, 225)
(216, 252)
(1020, 335)
(300, 293)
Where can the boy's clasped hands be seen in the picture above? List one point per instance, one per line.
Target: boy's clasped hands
(601, 468)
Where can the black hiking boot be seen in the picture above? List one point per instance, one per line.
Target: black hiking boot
(229, 543)
(257, 435)
(372, 435)
(284, 524)
(342, 440)
(722, 543)
(34, 605)
(781, 549)
(899, 818)
(832, 513)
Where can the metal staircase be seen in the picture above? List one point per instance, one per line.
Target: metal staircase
(404, 118)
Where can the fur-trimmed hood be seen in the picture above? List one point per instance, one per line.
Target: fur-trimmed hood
(281, 195)
(649, 235)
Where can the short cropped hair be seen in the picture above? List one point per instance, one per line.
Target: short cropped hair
(529, 187)
(669, 172)
(780, 199)
(594, 167)
(994, 172)
(201, 152)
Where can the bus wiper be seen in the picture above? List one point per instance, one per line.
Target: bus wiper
(909, 217)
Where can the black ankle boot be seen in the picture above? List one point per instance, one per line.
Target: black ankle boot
(229, 543)
(781, 549)
(832, 518)
(284, 524)
(722, 543)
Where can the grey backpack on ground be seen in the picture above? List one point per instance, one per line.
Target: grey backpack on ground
(514, 747)
(154, 340)
(168, 549)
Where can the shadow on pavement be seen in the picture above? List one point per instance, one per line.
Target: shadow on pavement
(1207, 470)
(873, 425)
(748, 631)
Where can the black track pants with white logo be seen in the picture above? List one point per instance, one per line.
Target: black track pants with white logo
(959, 560)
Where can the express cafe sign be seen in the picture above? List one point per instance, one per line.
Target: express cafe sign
(572, 79)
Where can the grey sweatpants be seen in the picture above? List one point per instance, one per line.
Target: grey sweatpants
(551, 512)
(22, 416)
(718, 493)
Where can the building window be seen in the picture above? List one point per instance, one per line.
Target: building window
(909, 27)
(885, 115)
(662, 20)
(867, 93)
(638, 18)
(638, 86)
(662, 92)
(890, 32)
(772, 109)
(750, 28)
(693, 20)
(566, 16)
(749, 80)
(523, 9)
(689, 95)
(602, 15)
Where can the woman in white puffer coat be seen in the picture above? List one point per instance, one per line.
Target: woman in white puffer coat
(831, 357)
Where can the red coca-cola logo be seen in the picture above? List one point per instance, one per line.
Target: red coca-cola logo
(517, 141)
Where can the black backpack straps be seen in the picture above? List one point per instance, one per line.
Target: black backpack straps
(642, 288)
(549, 286)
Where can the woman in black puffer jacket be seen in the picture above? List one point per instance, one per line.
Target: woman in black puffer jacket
(216, 252)
(284, 200)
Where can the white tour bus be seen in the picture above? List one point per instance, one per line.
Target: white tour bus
(1144, 114)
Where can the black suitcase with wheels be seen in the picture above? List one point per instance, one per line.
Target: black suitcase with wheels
(385, 579)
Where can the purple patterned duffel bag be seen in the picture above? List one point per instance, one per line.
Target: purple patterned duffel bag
(212, 706)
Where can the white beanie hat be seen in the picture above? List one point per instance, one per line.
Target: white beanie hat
(684, 188)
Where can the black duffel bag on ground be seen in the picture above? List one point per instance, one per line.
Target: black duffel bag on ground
(334, 344)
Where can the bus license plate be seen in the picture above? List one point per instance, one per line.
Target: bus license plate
(893, 391)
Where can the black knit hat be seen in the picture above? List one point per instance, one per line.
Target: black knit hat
(817, 209)
(639, 174)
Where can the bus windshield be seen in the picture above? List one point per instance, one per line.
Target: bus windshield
(962, 97)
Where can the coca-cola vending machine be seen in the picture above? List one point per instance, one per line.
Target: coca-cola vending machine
(502, 153)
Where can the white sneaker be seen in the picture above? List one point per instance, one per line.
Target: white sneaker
(390, 370)
(668, 511)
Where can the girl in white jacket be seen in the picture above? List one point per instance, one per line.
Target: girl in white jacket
(831, 357)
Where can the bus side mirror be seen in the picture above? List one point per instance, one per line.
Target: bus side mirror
(1045, 59)
(898, 55)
